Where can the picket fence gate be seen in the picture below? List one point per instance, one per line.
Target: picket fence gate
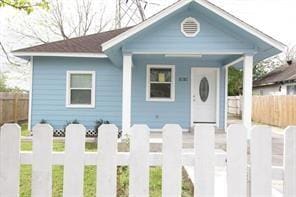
(139, 159)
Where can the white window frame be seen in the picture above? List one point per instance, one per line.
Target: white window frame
(148, 98)
(68, 89)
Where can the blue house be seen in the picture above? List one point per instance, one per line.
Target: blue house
(171, 68)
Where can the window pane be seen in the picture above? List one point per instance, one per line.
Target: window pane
(291, 89)
(204, 89)
(81, 80)
(160, 75)
(81, 97)
(160, 91)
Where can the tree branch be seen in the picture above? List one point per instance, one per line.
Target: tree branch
(7, 56)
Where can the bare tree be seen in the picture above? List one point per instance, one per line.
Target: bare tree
(59, 23)
(7, 56)
(63, 20)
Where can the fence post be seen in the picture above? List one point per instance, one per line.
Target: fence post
(106, 164)
(204, 146)
(261, 163)
(172, 160)
(74, 160)
(42, 160)
(290, 162)
(15, 107)
(236, 160)
(9, 159)
(139, 161)
(1, 109)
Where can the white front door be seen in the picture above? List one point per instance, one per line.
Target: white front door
(203, 95)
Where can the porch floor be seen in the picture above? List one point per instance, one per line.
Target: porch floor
(188, 140)
(220, 142)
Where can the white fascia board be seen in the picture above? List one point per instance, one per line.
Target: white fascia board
(54, 54)
(205, 4)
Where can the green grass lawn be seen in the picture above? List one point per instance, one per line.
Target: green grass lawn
(90, 175)
(25, 131)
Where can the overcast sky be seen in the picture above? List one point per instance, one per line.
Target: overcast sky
(274, 17)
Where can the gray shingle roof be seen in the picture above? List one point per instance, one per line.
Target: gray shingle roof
(283, 74)
(84, 44)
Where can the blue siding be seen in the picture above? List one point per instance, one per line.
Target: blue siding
(156, 114)
(166, 36)
(49, 91)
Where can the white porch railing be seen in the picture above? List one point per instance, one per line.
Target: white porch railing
(139, 159)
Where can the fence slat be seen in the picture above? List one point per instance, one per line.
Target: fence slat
(42, 160)
(204, 145)
(261, 163)
(139, 161)
(74, 160)
(106, 165)
(9, 159)
(236, 160)
(172, 160)
(290, 162)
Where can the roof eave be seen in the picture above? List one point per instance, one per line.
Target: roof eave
(59, 54)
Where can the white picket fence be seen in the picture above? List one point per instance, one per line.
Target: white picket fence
(139, 159)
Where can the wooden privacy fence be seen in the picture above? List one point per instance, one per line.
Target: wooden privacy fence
(13, 107)
(234, 105)
(139, 159)
(274, 110)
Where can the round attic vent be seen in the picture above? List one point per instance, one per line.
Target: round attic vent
(190, 27)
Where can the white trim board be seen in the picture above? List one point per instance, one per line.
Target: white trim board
(93, 89)
(240, 59)
(193, 53)
(127, 67)
(204, 3)
(159, 130)
(226, 98)
(57, 54)
(217, 95)
(30, 94)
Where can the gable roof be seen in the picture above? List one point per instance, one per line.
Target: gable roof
(84, 45)
(283, 74)
(96, 44)
(181, 3)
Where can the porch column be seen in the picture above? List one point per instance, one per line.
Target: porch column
(247, 91)
(126, 92)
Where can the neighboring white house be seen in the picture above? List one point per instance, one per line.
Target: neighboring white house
(281, 81)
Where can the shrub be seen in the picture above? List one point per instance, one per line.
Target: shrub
(43, 121)
(98, 123)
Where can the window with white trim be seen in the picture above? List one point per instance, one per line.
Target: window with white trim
(291, 89)
(80, 89)
(160, 83)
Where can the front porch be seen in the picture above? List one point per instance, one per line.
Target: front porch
(181, 98)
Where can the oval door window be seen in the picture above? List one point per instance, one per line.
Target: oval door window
(204, 89)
